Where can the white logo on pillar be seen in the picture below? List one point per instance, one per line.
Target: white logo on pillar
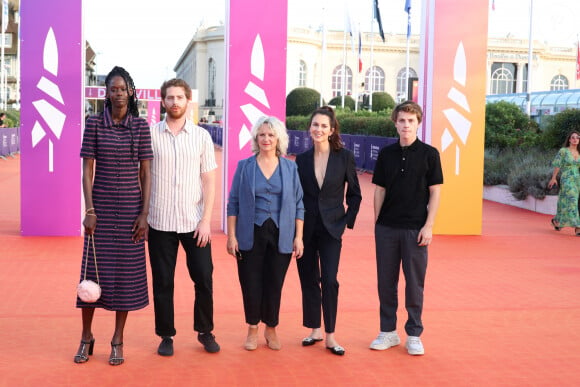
(460, 124)
(53, 117)
(253, 113)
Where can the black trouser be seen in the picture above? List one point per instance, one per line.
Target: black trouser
(395, 247)
(262, 271)
(163, 256)
(321, 256)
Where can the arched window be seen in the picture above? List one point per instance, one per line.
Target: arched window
(502, 78)
(337, 81)
(302, 74)
(375, 79)
(559, 82)
(211, 71)
(402, 83)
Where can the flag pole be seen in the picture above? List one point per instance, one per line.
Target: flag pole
(3, 69)
(377, 16)
(408, 9)
(529, 86)
(577, 61)
(371, 66)
(357, 73)
(343, 86)
(323, 51)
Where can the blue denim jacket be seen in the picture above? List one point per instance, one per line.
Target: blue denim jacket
(242, 200)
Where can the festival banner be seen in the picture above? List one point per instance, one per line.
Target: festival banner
(255, 75)
(452, 94)
(151, 96)
(52, 76)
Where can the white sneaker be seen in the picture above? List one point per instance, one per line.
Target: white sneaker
(414, 346)
(385, 340)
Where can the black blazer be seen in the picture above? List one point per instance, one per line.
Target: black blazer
(328, 201)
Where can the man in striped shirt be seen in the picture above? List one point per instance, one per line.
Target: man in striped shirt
(182, 197)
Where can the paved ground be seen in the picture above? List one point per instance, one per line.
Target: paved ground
(501, 309)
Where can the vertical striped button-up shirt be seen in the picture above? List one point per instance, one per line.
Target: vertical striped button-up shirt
(176, 169)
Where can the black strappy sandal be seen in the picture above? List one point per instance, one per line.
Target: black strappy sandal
(556, 226)
(80, 357)
(115, 360)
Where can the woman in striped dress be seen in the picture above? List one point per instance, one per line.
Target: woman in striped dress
(116, 154)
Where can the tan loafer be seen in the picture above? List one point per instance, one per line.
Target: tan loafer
(272, 339)
(252, 339)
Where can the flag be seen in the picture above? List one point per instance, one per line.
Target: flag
(578, 60)
(359, 52)
(493, 5)
(377, 15)
(408, 10)
(350, 25)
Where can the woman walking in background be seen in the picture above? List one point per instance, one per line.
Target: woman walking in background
(116, 154)
(325, 170)
(567, 161)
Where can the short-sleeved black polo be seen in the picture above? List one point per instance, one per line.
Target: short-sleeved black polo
(406, 173)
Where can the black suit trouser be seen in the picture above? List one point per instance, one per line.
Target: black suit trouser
(261, 272)
(318, 269)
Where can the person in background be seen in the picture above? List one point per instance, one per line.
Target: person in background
(2, 120)
(182, 197)
(567, 162)
(325, 170)
(408, 179)
(116, 152)
(265, 216)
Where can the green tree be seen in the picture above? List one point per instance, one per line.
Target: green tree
(302, 101)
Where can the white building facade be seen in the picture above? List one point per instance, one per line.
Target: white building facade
(202, 65)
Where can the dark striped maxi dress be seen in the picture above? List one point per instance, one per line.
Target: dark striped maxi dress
(117, 150)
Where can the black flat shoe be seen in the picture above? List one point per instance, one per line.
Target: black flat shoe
(556, 226)
(166, 347)
(308, 341)
(336, 350)
(577, 231)
(80, 357)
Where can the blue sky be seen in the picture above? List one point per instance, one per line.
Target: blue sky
(147, 38)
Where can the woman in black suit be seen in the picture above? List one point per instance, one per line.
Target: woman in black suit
(324, 171)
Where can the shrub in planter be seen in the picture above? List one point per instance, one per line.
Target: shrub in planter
(531, 180)
(526, 172)
(382, 101)
(348, 102)
(558, 128)
(530, 173)
(495, 170)
(506, 126)
(302, 101)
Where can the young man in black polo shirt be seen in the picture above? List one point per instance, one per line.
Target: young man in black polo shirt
(407, 180)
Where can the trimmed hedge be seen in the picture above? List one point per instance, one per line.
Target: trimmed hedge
(302, 101)
(348, 102)
(363, 123)
(382, 101)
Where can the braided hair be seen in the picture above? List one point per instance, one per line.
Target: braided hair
(118, 71)
(133, 107)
